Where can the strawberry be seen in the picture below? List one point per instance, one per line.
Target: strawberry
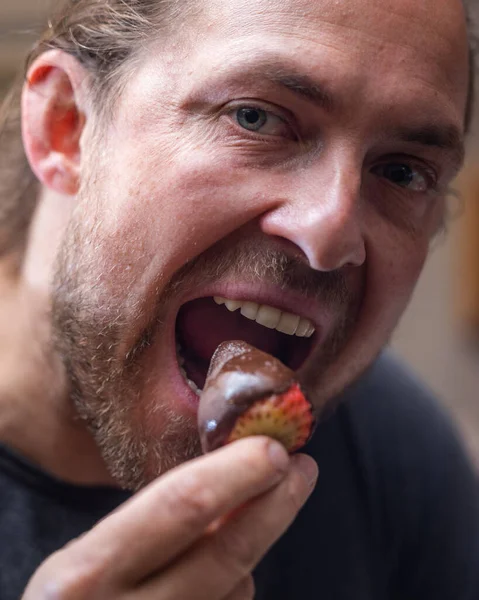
(287, 417)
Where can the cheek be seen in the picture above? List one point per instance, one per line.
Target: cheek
(395, 260)
(162, 208)
(178, 210)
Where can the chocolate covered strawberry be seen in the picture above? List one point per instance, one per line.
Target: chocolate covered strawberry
(248, 392)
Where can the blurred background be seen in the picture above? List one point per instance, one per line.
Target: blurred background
(439, 335)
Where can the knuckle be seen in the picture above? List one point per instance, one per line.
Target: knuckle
(63, 581)
(59, 588)
(192, 501)
(295, 488)
(77, 584)
(248, 589)
(75, 573)
(237, 551)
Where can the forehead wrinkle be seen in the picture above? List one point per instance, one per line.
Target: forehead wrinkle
(297, 17)
(387, 54)
(281, 72)
(398, 27)
(413, 23)
(277, 69)
(382, 59)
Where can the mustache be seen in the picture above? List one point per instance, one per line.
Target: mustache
(248, 262)
(255, 264)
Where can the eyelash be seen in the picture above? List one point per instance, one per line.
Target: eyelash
(231, 110)
(429, 173)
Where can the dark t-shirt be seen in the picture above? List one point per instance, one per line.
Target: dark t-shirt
(395, 514)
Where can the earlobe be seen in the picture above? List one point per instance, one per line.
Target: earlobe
(53, 119)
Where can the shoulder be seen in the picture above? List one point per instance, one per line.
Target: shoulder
(401, 434)
(407, 456)
(397, 410)
(395, 508)
(420, 483)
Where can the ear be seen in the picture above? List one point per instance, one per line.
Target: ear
(53, 119)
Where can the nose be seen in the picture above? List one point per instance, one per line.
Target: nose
(322, 215)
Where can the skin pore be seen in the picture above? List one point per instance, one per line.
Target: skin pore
(174, 198)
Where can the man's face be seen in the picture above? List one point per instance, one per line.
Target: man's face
(289, 154)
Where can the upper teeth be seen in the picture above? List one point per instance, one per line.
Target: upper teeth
(270, 317)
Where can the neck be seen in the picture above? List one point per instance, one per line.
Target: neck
(37, 418)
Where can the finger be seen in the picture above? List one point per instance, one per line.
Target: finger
(243, 591)
(215, 565)
(154, 527)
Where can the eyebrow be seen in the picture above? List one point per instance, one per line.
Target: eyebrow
(446, 137)
(443, 137)
(281, 73)
(301, 85)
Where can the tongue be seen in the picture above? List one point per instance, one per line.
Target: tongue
(203, 325)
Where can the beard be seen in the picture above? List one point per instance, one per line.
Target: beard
(93, 318)
(106, 382)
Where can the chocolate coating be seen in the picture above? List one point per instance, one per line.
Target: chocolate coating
(238, 376)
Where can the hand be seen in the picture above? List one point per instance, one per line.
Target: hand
(195, 533)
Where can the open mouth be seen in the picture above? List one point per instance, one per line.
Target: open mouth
(203, 324)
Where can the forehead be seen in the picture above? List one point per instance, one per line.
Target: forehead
(436, 27)
(399, 19)
(362, 46)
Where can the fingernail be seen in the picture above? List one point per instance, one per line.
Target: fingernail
(307, 467)
(278, 455)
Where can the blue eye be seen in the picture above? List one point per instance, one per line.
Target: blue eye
(404, 176)
(264, 122)
(252, 119)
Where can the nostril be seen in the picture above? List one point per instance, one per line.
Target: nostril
(326, 232)
(334, 251)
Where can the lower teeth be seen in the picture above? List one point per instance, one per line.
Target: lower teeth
(181, 362)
